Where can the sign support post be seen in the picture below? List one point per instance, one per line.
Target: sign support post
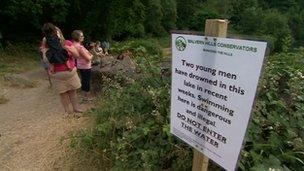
(214, 28)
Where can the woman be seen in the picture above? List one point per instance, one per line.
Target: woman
(65, 80)
(83, 64)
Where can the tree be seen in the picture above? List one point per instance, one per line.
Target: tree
(185, 11)
(169, 14)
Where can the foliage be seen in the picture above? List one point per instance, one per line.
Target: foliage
(275, 138)
(139, 46)
(133, 121)
(29, 10)
(18, 57)
(132, 130)
(296, 15)
(153, 21)
(119, 20)
(185, 11)
(276, 25)
(169, 14)
(3, 98)
(126, 19)
(198, 20)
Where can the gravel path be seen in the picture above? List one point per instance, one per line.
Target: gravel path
(33, 134)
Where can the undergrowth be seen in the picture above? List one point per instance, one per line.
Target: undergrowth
(133, 132)
(18, 57)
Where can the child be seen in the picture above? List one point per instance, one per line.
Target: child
(106, 47)
(98, 48)
(96, 55)
(44, 61)
(55, 53)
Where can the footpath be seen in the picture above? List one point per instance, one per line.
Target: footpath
(33, 134)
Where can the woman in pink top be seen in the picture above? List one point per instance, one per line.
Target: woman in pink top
(65, 80)
(83, 63)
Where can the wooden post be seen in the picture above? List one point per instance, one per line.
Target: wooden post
(214, 28)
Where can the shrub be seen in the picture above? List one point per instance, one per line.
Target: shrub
(139, 47)
(133, 124)
(132, 128)
(275, 137)
(197, 22)
(276, 24)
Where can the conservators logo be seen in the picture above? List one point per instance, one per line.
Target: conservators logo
(180, 43)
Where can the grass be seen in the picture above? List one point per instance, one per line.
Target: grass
(3, 98)
(17, 58)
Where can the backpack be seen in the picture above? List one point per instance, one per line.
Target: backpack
(56, 54)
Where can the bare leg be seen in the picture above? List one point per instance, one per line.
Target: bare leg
(48, 75)
(65, 101)
(87, 96)
(49, 78)
(74, 101)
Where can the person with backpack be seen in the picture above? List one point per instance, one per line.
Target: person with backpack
(64, 75)
(55, 53)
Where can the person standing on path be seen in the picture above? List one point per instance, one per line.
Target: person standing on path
(83, 64)
(65, 80)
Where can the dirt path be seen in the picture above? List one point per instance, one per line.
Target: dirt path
(33, 134)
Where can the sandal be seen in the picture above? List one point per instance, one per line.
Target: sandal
(77, 115)
(65, 116)
(88, 99)
(78, 110)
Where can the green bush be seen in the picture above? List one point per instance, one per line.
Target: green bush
(250, 22)
(126, 19)
(132, 128)
(139, 47)
(197, 22)
(275, 138)
(153, 22)
(133, 124)
(169, 14)
(276, 24)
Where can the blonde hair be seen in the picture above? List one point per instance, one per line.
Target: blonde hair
(60, 36)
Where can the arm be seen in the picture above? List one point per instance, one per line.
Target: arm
(51, 69)
(85, 54)
(43, 49)
(100, 53)
(93, 52)
(72, 50)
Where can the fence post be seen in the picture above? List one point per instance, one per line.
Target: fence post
(214, 28)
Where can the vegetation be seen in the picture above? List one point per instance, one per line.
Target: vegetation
(3, 98)
(274, 20)
(275, 138)
(132, 128)
(18, 57)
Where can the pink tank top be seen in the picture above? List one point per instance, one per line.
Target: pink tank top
(81, 62)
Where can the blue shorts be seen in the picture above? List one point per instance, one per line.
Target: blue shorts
(45, 65)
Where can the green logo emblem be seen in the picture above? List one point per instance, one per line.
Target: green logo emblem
(180, 43)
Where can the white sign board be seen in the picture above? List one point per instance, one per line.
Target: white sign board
(214, 82)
